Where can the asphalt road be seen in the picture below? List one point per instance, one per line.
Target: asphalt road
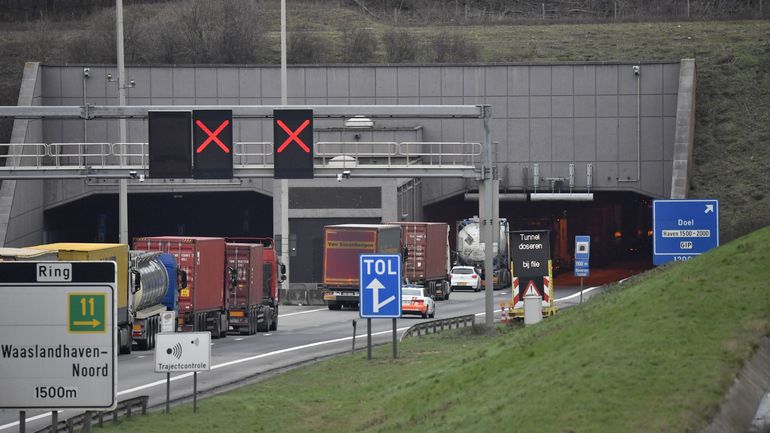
(304, 334)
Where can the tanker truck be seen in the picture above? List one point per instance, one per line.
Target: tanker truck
(470, 251)
(156, 279)
(142, 283)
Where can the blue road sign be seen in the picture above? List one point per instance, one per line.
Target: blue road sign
(683, 229)
(380, 285)
(582, 254)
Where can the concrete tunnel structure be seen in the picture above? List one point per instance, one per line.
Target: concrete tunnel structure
(620, 132)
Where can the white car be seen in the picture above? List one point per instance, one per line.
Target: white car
(465, 277)
(415, 301)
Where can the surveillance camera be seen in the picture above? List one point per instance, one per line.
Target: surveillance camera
(346, 174)
(339, 177)
(86, 72)
(141, 178)
(109, 77)
(132, 173)
(132, 83)
(637, 70)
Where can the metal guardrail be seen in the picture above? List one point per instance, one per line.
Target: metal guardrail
(126, 406)
(246, 154)
(436, 326)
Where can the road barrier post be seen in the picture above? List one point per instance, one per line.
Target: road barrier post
(353, 351)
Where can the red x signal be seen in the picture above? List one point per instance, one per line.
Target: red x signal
(293, 136)
(212, 136)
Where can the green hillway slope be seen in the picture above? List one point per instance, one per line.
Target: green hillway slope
(655, 354)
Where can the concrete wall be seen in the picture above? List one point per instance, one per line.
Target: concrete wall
(21, 202)
(551, 115)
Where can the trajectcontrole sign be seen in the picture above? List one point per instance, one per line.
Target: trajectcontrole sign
(531, 253)
(183, 351)
(57, 349)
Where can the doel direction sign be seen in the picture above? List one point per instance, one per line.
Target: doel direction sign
(380, 285)
(57, 322)
(531, 252)
(683, 229)
(293, 144)
(183, 351)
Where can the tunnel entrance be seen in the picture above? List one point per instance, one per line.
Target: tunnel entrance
(619, 223)
(222, 214)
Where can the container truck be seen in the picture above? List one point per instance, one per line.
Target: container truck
(343, 244)
(273, 274)
(426, 256)
(470, 251)
(250, 305)
(114, 252)
(157, 279)
(203, 303)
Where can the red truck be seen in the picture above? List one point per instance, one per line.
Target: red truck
(426, 256)
(343, 244)
(273, 273)
(203, 304)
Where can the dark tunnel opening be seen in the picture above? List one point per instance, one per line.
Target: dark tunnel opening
(619, 223)
(221, 214)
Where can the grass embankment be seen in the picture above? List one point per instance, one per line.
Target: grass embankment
(656, 354)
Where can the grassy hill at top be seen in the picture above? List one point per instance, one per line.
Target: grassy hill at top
(656, 354)
(732, 134)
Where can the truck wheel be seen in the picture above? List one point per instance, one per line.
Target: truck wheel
(223, 329)
(274, 323)
(253, 323)
(335, 307)
(264, 325)
(153, 332)
(124, 349)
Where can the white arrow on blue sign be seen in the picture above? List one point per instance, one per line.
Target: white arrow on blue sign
(683, 229)
(380, 285)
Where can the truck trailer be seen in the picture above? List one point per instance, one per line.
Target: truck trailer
(156, 280)
(470, 251)
(273, 274)
(203, 303)
(343, 244)
(251, 308)
(425, 246)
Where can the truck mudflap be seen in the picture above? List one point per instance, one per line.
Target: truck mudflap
(336, 299)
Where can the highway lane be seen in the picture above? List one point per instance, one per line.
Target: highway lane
(304, 334)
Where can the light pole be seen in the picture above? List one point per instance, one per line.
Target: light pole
(123, 192)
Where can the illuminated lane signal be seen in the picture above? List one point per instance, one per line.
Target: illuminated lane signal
(212, 144)
(293, 144)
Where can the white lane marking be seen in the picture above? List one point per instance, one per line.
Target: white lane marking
(250, 358)
(575, 295)
(238, 339)
(302, 312)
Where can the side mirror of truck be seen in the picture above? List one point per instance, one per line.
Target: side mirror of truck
(181, 279)
(136, 281)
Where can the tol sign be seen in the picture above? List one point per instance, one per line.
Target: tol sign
(380, 285)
